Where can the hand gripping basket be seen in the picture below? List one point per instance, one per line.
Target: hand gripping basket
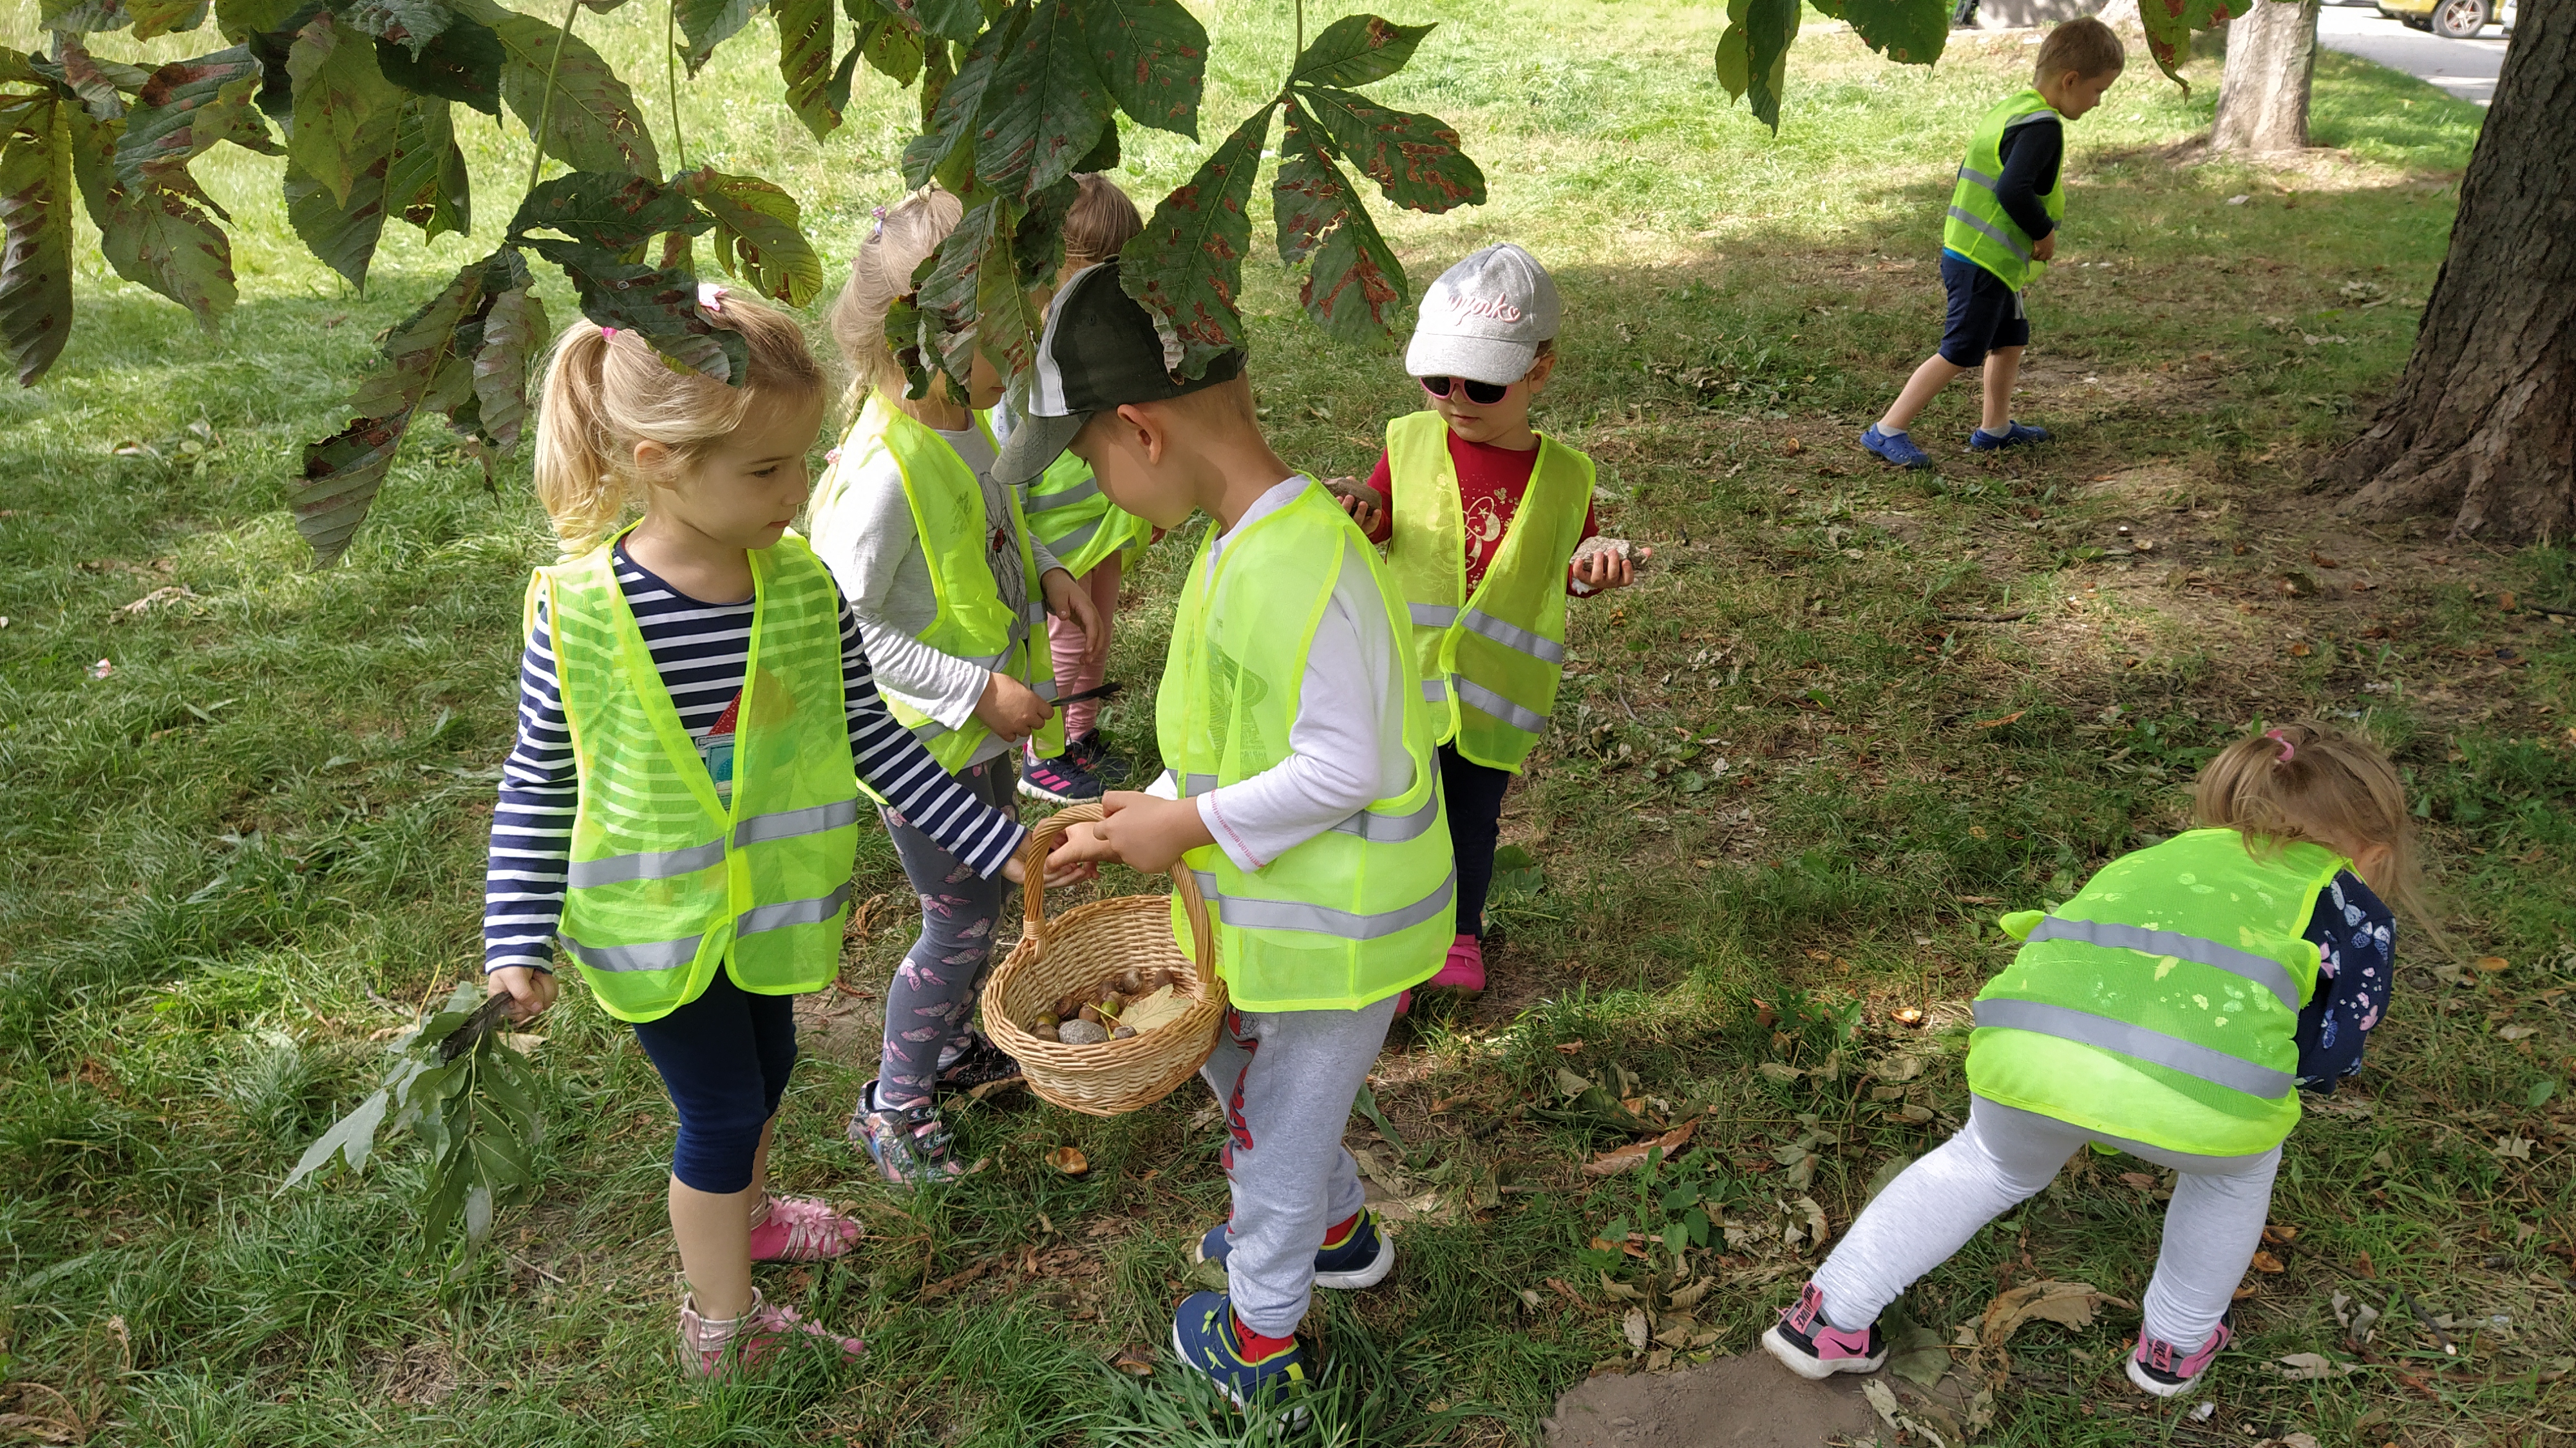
(1082, 952)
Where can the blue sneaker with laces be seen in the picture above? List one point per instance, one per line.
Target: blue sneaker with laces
(2014, 435)
(1211, 1341)
(1355, 1253)
(1895, 447)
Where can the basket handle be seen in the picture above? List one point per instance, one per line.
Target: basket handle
(1042, 842)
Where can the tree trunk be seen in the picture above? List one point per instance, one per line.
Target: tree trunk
(2120, 14)
(2483, 424)
(2263, 95)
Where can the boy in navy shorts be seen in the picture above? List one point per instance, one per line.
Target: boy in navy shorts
(2001, 231)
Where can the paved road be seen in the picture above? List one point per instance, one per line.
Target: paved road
(2465, 68)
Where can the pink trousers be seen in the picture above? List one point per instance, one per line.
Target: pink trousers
(1072, 676)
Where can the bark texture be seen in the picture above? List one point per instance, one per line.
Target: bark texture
(2263, 94)
(2483, 424)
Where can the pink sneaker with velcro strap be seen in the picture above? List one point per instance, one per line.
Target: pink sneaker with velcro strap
(1815, 1349)
(2161, 1368)
(801, 1229)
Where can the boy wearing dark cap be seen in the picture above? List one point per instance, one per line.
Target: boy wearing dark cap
(1300, 789)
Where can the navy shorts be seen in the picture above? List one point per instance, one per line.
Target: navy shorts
(725, 1058)
(1984, 313)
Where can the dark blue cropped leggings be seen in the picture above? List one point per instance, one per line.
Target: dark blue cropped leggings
(724, 1058)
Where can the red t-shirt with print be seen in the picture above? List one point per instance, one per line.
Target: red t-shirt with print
(1491, 483)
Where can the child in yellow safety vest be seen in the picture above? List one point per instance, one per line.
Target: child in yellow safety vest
(1488, 526)
(1089, 534)
(1999, 234)
(1301, 791)
(953, 595)
(681, 830)
(2173, 1009)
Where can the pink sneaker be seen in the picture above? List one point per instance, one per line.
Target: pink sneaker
(1816, 1349)
(800, 1229)
(1465, 968)
(711, 1347)
(2161, 1368)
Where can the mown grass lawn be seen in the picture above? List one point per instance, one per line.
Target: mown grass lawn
(1788, 792)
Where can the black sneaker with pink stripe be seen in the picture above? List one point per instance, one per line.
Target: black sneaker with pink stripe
(1816, 1349)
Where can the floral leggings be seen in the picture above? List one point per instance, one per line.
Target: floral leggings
(933, 991)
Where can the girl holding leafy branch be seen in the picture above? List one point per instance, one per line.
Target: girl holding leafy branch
(681, 809)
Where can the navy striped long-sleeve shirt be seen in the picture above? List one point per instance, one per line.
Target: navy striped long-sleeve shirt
(701, 651)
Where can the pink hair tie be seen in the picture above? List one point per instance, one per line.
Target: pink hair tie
(608, 334)
(2287, 749)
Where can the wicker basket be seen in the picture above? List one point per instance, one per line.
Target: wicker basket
(1083, 951)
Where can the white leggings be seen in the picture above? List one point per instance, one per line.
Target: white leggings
(2003, 1156)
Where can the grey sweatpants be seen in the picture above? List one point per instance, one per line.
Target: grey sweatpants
(2003, 1156)
(933, 991)
(1287, 1080)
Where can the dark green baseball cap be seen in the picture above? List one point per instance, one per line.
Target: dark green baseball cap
(1099, 352)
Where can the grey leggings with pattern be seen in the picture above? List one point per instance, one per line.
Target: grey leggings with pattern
(933, 991)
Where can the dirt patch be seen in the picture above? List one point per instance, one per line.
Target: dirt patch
(1737, 1402)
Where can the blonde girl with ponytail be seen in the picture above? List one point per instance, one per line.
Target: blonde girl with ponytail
(679, 815)
(953, 596)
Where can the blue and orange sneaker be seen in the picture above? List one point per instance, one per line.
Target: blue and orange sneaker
(1211, 1341)
(1355, 1253)
(2013, 435)
(2165, 1370)
(1815, 1349)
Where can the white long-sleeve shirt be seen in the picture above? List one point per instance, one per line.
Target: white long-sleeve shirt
(1346, 745)
(874, 551)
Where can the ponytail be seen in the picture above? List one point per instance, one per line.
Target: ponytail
(605, 392)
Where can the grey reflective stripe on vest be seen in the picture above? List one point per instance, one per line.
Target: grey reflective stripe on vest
(787, 824)
(2085, 1028)
(2263, 970)
(1431, 615)
(1392, 829)
(1512, 636)
(644, 865)
(781, 914)
(1970, 173)
(1435, 691)
(651, 955)
(1528, 721)
(1195, 784)
(1043, 502)
(1072, 542)
(2000, 239)
(929, 729)
(1247, 913)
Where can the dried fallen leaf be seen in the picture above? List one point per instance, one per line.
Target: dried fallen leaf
(1069, 1160)
(1999, 723)
(2069, 1304)
(2300, 651)
(1568, 1048)
(1158, 1009)
(1817, 1231)
(1792, 447)
(1611, 1163)
(1633, 1328)
(2139, 1179)
(2513, 1148)
(2279, 1233)
(2491, 964)
(2266, 1262)
(1136, 1360)
(2515, 1033)
(2301, 1367)
(1908, 1016)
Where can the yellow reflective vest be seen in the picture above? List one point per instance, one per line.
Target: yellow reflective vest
(2161, 1004)
(1978, 227)
(972, 623)
(1490, 663)
(1080, 526)
(1364, 909)
(667, 882)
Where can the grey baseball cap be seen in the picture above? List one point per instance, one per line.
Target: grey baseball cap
(1100, 351)
(1484, 318)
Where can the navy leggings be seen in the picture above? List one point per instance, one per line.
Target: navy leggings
(1475, 797)
(724, 1058)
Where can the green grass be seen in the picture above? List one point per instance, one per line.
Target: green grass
(255, 845)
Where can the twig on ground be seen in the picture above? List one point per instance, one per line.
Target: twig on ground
(533, 1267)
(2016, 616)
(2426, 1318)
(2551, 610)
